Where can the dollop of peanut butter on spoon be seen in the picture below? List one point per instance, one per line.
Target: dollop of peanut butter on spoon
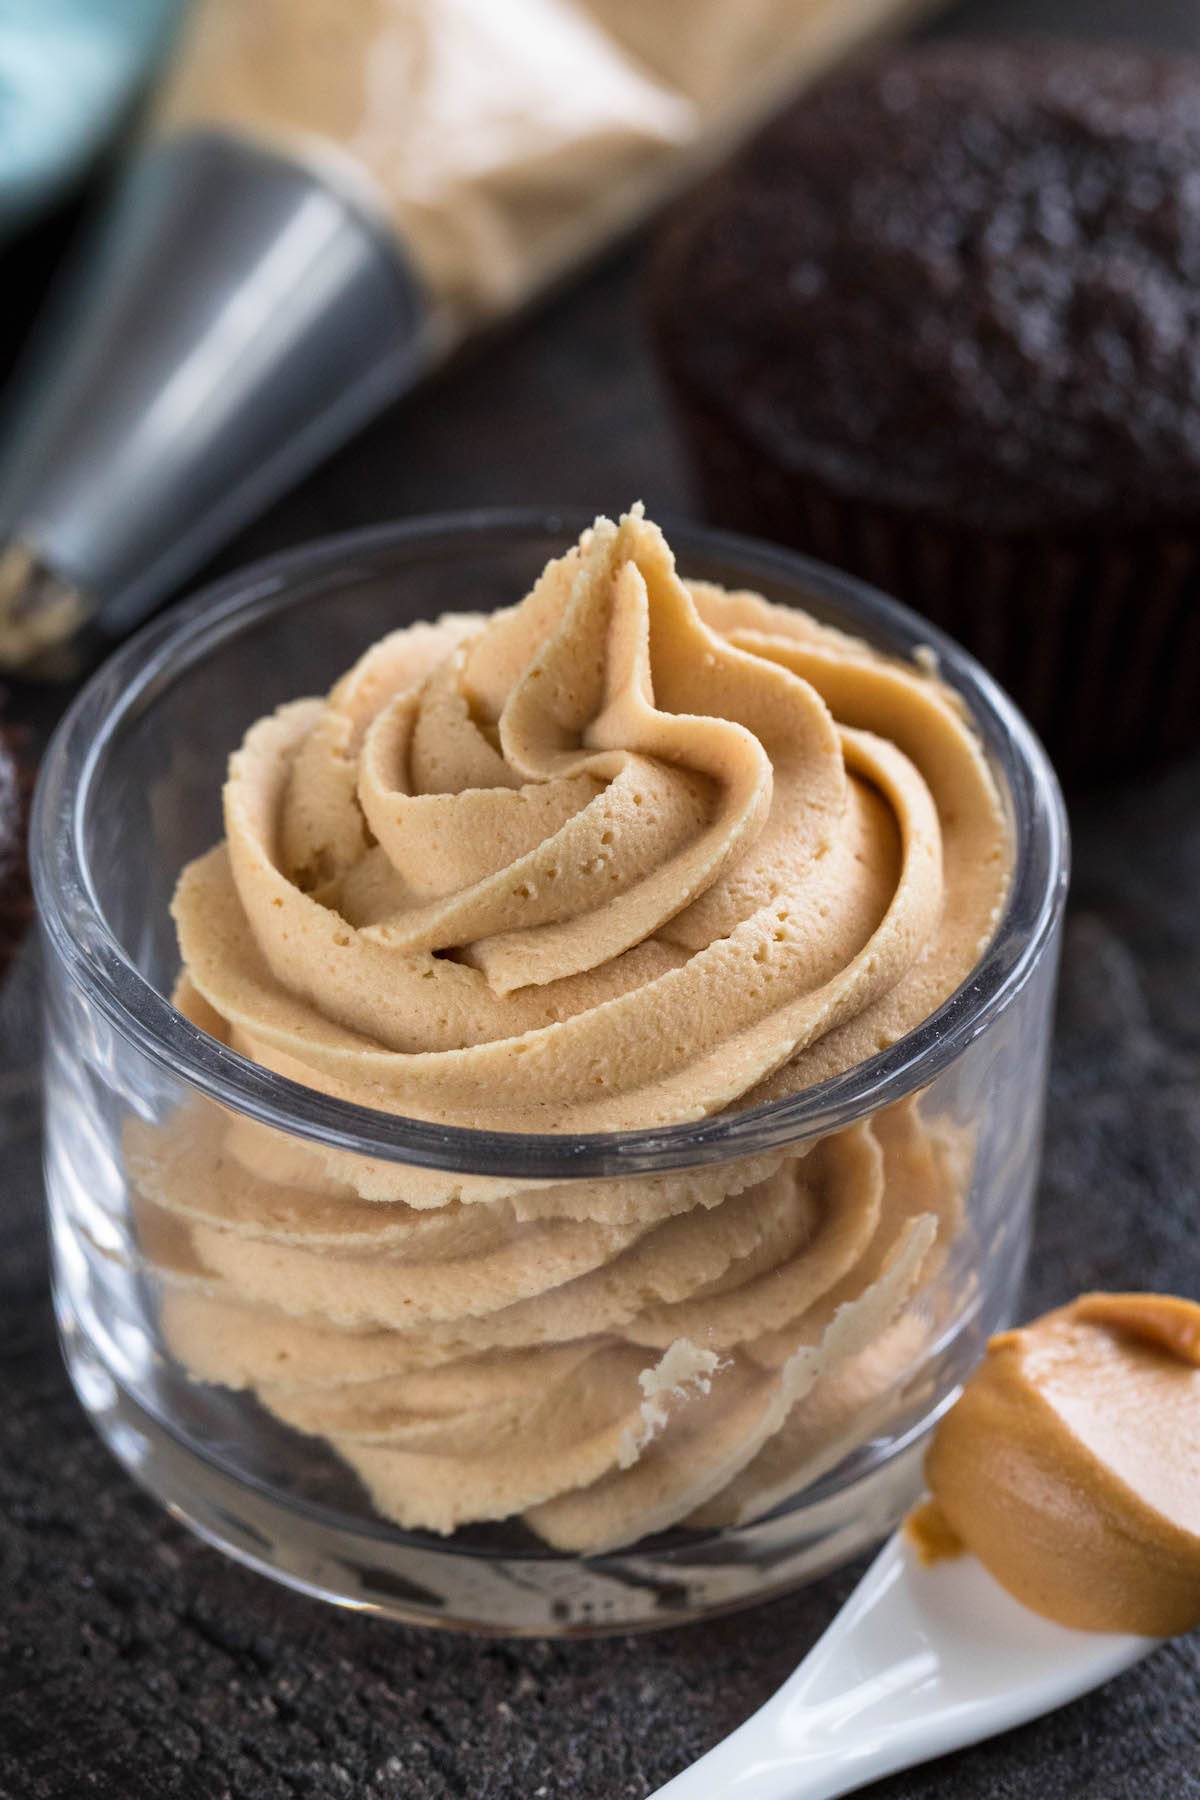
(1070, 1466)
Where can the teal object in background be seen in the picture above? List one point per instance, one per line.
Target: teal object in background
(70, 71)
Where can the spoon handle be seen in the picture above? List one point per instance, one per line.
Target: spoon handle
(749, 1765)
(798, 1746)
(918, 1662)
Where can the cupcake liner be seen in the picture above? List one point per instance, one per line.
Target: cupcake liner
(1096, 636)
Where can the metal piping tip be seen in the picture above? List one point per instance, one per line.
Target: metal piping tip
(233, 319)
(40, 614)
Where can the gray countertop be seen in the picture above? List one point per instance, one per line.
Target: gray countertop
(136, 1662)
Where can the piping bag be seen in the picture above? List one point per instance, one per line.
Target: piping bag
(329, 196)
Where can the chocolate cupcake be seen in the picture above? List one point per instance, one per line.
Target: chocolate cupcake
(940, 325)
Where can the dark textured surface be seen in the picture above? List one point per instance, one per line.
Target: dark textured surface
(14, 871)
(136, 1663)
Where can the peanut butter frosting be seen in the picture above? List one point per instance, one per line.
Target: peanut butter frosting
(626, 854)
(1071, 1465)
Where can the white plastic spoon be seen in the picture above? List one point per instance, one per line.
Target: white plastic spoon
(919, 1661)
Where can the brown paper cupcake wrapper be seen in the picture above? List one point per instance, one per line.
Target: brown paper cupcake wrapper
(1096, 637)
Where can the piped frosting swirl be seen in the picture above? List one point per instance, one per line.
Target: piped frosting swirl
(625, 854)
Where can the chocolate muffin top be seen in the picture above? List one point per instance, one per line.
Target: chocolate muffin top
(962, 281)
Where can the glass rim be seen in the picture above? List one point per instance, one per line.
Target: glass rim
(73, 923)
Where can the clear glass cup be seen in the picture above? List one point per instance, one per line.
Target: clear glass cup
(130, 791)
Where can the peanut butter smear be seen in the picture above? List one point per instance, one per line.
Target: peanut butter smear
(1071, 1466)
(503, 141)
(625, 854)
